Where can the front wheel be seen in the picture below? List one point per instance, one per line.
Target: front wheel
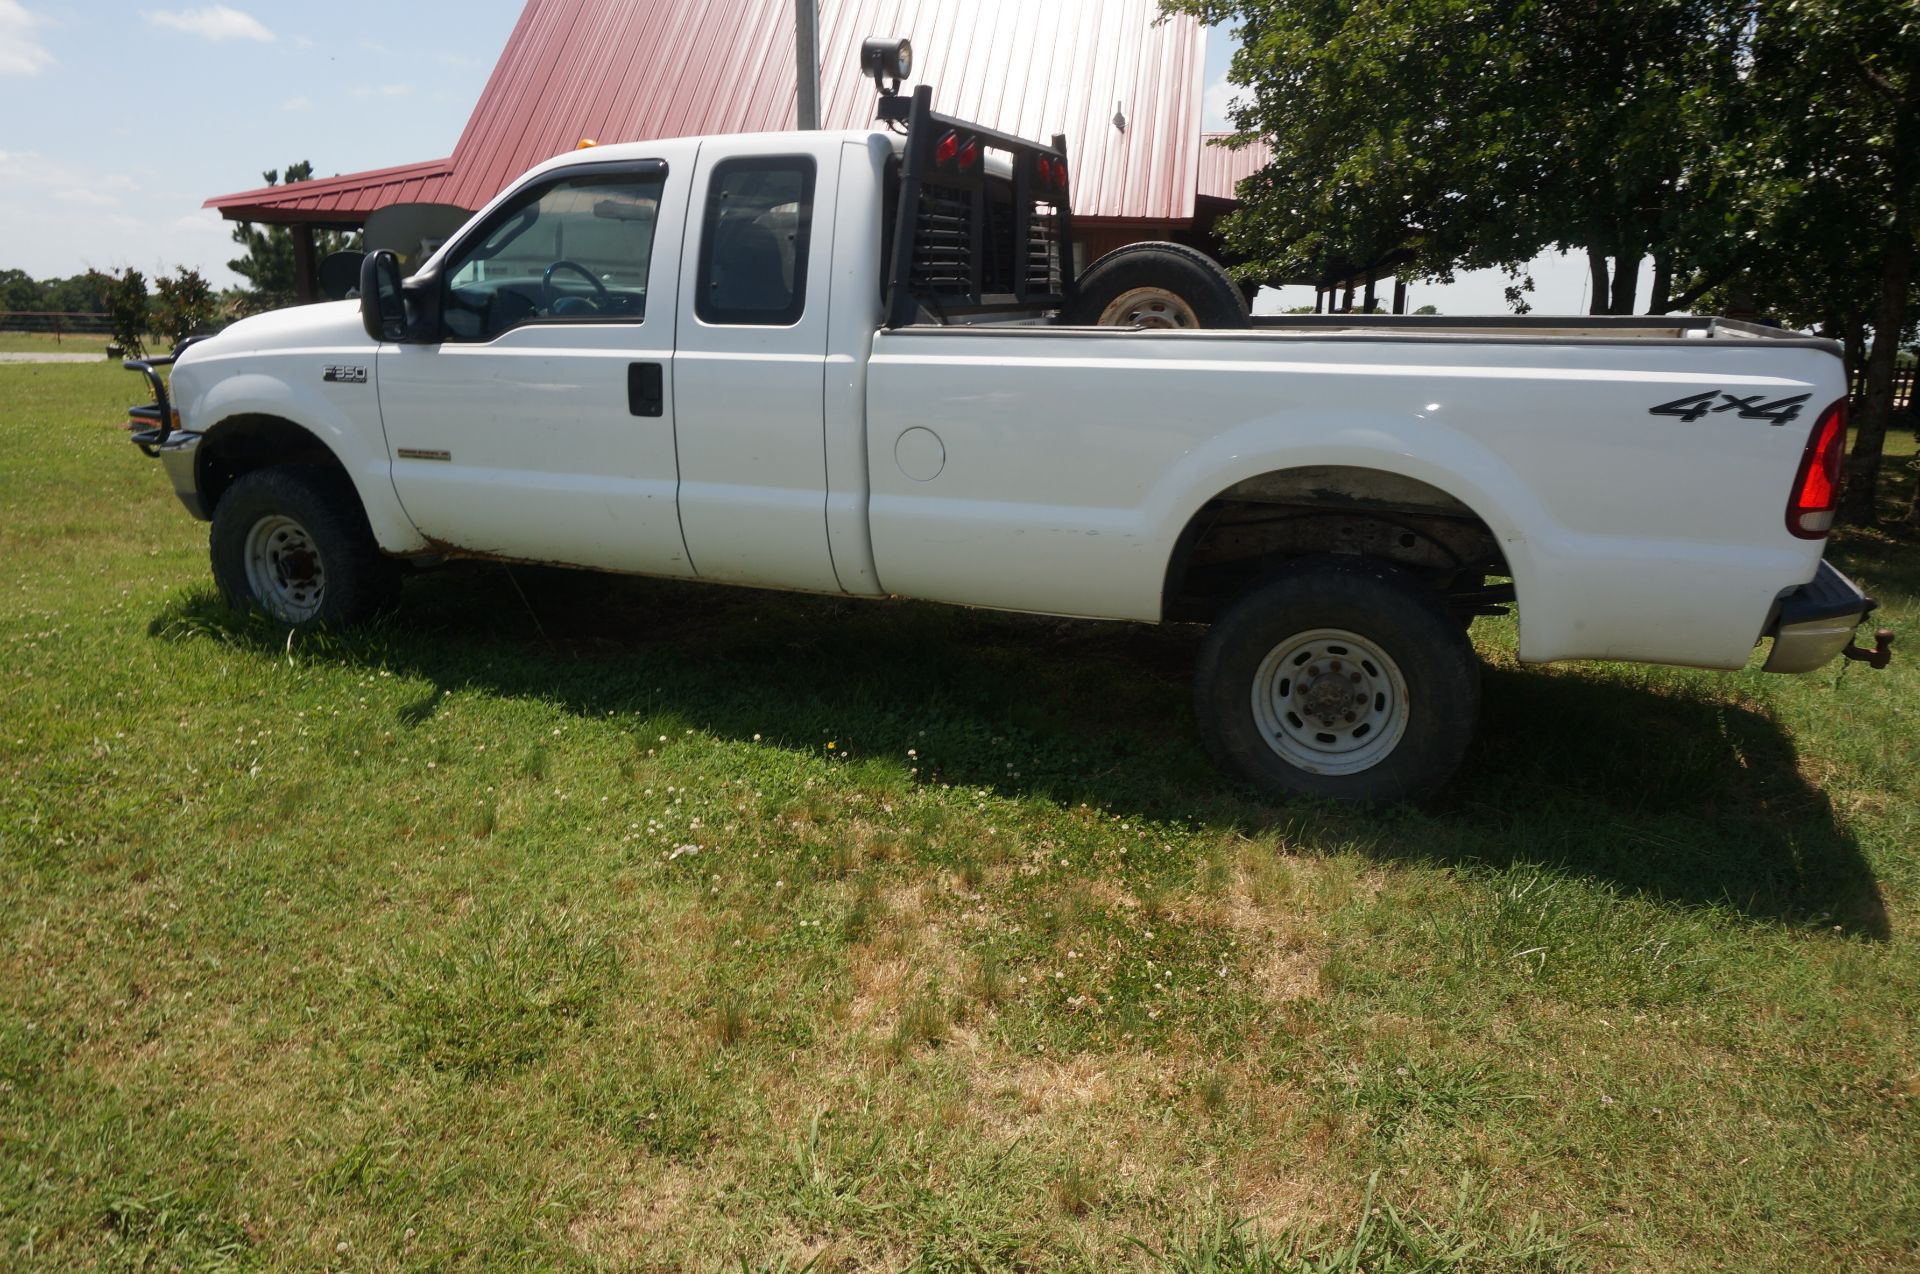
(292, 543)
(1340, 679)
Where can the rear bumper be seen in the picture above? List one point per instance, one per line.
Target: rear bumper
(1812, 624)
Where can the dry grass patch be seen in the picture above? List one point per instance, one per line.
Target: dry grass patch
(633, 1225)
(904, 972)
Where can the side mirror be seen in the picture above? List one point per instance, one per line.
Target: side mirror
(383, 307)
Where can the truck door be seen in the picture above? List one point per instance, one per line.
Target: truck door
(749, 372)
(540, 426)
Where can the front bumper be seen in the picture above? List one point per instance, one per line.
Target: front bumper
(1814, 623)
(156, 431)
(177, 455)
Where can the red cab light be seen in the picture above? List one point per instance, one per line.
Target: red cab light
(970, 153)
(1050, 178)
(949, 145)
(1816, 487)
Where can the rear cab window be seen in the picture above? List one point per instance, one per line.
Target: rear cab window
(754, 241)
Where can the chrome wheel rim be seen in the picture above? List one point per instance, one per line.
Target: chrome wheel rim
(1329, 701)
(1148, 307)
(284, 570)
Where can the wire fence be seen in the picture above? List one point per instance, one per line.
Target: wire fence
(56, 322)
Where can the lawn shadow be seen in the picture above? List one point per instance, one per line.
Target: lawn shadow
(1666, 790)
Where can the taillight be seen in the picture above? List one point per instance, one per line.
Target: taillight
(1816, 487)
(969, 153)
(944, 152)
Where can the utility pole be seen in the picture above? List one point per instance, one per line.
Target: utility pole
(806, 56)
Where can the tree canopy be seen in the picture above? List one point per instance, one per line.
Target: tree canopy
(1478, 133)
(21, 292)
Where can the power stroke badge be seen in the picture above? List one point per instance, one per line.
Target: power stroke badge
(342, 375)
(1752, 407)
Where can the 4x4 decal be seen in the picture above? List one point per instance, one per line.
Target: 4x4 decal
(1777, 412)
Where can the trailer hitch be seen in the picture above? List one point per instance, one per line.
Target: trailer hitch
(1880, 656)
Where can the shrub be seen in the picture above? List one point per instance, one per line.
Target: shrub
(123, 295)
(185, 305)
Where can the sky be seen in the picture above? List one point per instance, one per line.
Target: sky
(118, 119)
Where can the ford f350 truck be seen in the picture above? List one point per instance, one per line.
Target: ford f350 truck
(834, 362)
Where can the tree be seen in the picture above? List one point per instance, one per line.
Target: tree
(1830, 162)
(123, 297)
(185, 304)
(20, 292)
(1477, 133)
(267, 264)
(1856, 63)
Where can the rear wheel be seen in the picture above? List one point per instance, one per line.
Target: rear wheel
(1340, 679)
(292, 543)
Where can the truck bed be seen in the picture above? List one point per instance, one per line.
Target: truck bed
(1634, 473)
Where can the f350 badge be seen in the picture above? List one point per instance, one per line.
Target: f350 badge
(1777, 412)
(345, 375)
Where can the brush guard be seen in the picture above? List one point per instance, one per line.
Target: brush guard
(154, 423)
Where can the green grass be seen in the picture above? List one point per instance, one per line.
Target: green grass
(645, 926)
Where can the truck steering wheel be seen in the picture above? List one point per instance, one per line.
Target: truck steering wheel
(600, 298)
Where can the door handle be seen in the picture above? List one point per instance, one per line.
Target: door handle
(646, 395)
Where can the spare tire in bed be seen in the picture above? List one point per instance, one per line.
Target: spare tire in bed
(1156, 285)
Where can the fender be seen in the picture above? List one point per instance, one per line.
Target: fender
(1442, 458)
(355, 438)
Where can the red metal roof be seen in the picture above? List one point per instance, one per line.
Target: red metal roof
(629, 70)
(327, 198)
(1222, 168)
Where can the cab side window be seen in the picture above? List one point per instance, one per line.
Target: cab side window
(753, 242)
(573, 249)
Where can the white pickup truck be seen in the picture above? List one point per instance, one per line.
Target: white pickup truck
(835, 362)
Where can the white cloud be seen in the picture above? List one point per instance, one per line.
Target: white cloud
(20, 52)
(214, 22)
(381, 90)
(1214, 105)
(297, 104)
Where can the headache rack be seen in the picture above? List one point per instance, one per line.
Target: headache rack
(966, 243)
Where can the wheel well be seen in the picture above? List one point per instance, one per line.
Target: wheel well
(1257, 524)
(239, 445)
